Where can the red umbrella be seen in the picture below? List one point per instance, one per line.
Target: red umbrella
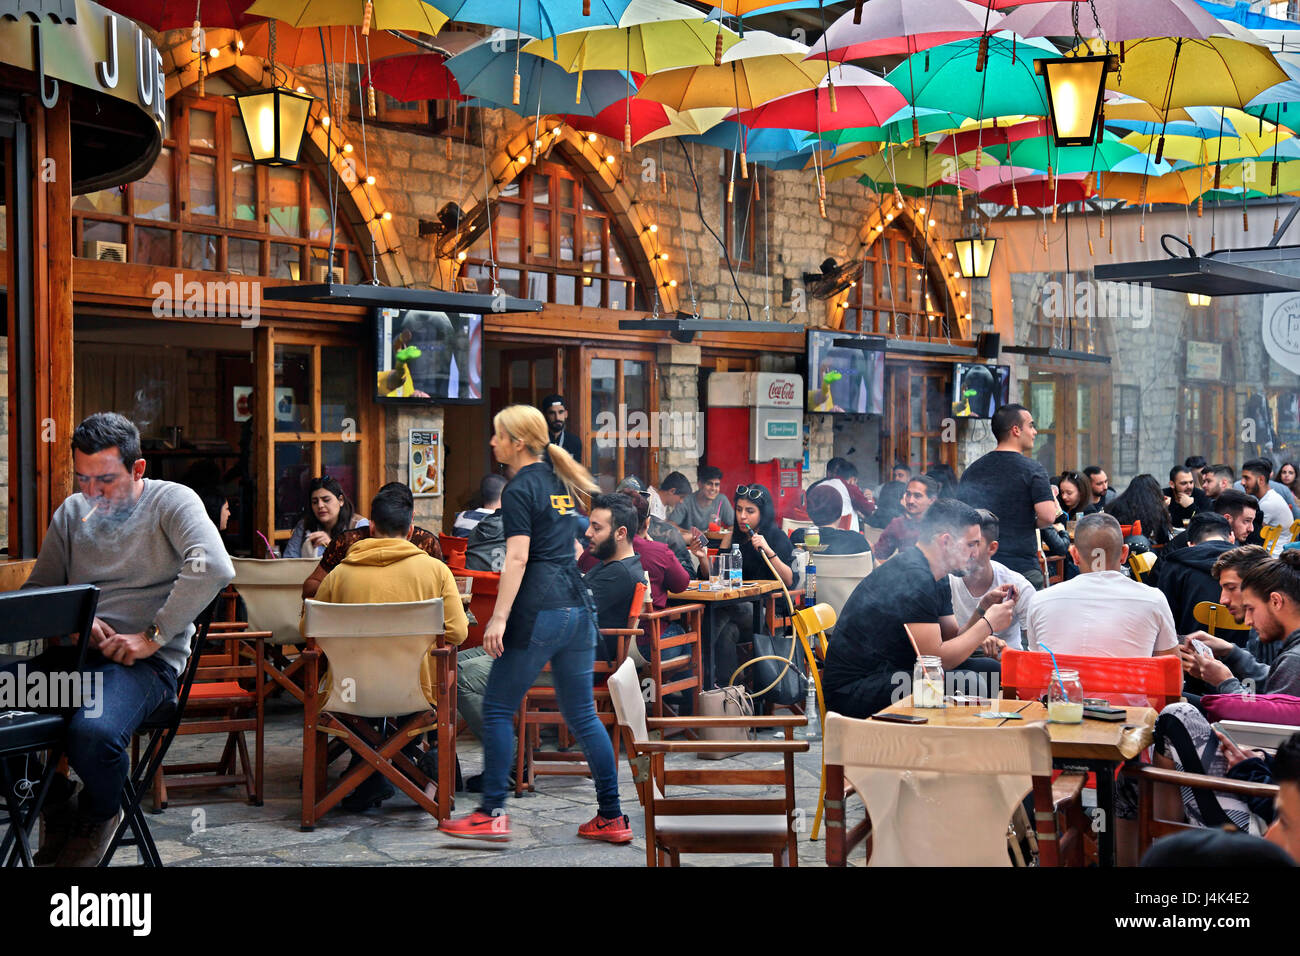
(861, 99)
(414, 76)
(1038, 192)
(969, 139)
(647, 116)
(903, 26)
(179, 14)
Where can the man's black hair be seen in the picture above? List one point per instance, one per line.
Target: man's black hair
(1006, 418)
(1093, 471)
(1222, 471)
(1259, 466)
(621, 512)
(1207, 525)
(932, 487)
(104, 430)
(1231, 502)
(841, 468)
(490, 488)
(676, 483)
(1195, 462)
(1178, 470)
(708, 473)
(947, 515)
(392, 512)
(1286, 763)
(903, 465)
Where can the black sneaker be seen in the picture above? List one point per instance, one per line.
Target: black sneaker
(474, 784)
(372, 792)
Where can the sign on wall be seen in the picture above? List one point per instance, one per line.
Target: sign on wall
(1204, 360)
(1281, 329)
(425, 459)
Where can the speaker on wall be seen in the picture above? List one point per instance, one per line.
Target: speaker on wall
(989, 344)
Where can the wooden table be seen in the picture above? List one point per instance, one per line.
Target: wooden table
(698, 593)
(1099, 746)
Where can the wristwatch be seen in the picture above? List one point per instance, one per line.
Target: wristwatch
(154, 635)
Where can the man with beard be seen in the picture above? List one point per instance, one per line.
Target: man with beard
(869, 664)
(158, 561)
(922, 491)
(613, 582)
(556, 410)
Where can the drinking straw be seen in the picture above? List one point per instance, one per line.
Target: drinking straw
(1052, 656)
(916, 648)
(270, 549)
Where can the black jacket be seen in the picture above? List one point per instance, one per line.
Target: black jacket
(1178, 514)
(1186, 581)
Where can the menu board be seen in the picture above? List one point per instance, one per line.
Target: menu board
(425, 461)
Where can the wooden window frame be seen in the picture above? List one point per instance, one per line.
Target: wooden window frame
(877, 259)
(649, 358)
(897, 434)
(733, 215)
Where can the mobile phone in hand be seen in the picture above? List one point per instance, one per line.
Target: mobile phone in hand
(1219, 727)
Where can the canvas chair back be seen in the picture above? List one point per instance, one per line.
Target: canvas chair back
(375, 652)
(938, 796)
(791, 525)
(629, 707)
(272, 592)
(839, 574)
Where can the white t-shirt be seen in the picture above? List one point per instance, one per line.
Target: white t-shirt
(847, 508)
(657, 509)
(964, 603)
(1276, 512)
(1101, 614)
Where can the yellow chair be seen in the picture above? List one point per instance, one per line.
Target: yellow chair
(1216, 617)
(1269, 535)
(1141, 564)
(811, 625)
(1295, 530)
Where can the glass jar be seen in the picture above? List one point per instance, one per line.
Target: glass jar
(927, 682)
(1065, 698)
(812, 537)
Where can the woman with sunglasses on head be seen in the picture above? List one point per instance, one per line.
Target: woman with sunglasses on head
(759, 535)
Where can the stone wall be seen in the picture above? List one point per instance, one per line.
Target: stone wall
(398, 421)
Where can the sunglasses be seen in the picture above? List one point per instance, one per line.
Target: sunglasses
(752, 492)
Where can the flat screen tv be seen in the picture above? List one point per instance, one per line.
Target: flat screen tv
(423, 357)
(843, 380)
(979, 390)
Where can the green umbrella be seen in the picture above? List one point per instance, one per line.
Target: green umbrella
(1041, 152)
(898, 128)
(945, 78)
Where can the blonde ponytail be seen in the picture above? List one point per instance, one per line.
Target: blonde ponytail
(526, 424)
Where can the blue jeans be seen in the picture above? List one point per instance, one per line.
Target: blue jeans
(99, 732)
(567, 638)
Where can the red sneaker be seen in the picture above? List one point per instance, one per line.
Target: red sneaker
(479, 826)
(617, 830)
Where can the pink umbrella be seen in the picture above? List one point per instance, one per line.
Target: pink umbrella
(1120, 20)
(180, 14)
(861, 99)
(978, 180)
(903, 26)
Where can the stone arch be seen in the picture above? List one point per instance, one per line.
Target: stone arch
(363, 202)
(917, 224)
(585, 155)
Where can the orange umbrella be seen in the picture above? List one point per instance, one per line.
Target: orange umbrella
(302, 47)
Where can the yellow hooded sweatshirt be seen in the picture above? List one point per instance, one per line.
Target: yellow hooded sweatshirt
(391, 571)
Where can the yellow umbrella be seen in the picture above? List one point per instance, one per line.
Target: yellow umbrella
(759, 68)
(1170, 72)
(1251, 141)
(642, 48)
(919, 167)
(1258, 176)
(368, 14)
(1131, 108)
(687, 122)
(1182, 186)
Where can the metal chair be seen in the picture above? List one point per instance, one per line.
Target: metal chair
(33, 615)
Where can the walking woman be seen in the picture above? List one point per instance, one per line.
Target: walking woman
(543, 613)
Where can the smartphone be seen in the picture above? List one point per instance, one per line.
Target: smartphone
(1219, 727)
(1106, 713)
(901, 718)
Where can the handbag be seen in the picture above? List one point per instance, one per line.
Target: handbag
(790, 687)
(729, 701)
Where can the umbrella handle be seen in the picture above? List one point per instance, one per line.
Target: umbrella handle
(365, 18)
(857, 12)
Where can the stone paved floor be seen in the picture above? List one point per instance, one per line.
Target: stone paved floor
(216, 828)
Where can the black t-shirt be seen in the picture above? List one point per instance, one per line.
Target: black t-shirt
(869, 643)
(537, 504)
(837, 541)
(613, 584)
(754, 568)
(1009, 485)
(1178, 514)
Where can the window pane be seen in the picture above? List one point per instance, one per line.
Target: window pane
(241, 256)
(284, 202)
(541, 189)
(292, 476)
(566, 193)
(245, 179)
(356, 272)
(510, 281)
(203, 128)
(506, 226)
(151, 197)
(537, 286)
(318, 225)
(238, 136)
(591, 294)
(199, 251)
(604, 463)
(593, 244)
(914, 404)
(636, 460)
(293, 389)
(106, 201)
(636, 386)
(285, 261)
(92, 232)
(541, 234)
(568, 235)
(566, 288)
(618, 295)
(510, 190)
(152, 246)
(589, 199)
(338, 459)
(202, 175)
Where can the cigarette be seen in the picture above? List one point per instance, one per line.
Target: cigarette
(90, 512)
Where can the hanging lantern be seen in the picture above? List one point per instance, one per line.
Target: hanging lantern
(275, 120)
(975, 256)
(1074, 90)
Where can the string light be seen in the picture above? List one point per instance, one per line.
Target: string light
(462, 255)
(387, 217)
(347, 147)
(325, 120)
(610, 159)
(214, 53)
(591, 137)
(370, 180)
(652, 228)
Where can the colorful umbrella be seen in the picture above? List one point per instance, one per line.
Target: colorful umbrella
(382, 14)
(165, 15)
(1040, 192)
(650, 121)
(887, 27)
(535, 18)
(982, 138)
(1119, 19)
(487, 71)
(1042, 153)
(1181, 186)
(759, 68)
(861, 99)
(912, 166)
(649, 47)
(1221, 71)
(899, 127)
(414, 76)
(295, 47)
(774, 148)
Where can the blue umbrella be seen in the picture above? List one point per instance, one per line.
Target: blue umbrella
(1240, 12)
(774, 148)
(535, 18)
(1205, 123)
(486, 73)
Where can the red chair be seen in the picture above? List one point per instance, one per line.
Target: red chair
(453, 549)
(483, 599)
(1027, 675)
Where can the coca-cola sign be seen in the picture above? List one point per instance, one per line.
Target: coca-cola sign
(779, 391)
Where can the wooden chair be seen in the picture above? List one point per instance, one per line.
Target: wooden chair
(940, 796)
(376, 655)
(669, 676)
(483, 600)
(1141, 564)
(219, 703)
(540, 707)
(1269, 535)
(677, 825)
(272, 593)
(1217, 618)
(1027, 675)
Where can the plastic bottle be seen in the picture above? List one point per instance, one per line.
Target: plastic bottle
(736, 566)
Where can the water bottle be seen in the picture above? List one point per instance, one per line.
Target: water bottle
(813, 730)
(736, 566)
(810, 583)
(798, 564)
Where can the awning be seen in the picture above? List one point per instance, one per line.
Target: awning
(1250, 271)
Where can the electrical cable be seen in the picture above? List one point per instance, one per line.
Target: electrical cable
(699, 207)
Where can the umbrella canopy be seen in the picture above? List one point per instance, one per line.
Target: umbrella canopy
(385, 14)
(775, 148)
(1249, 143)
(898, 128)
(862, 100)
(903, 26)
(650, 121)
(1181, 186)
(978, 180)
(1119, 19)
(1041, 152)
(759, 68)
(414, 76)
(1039, 192)
(1205, 122)
(1220, 71)
(944, 78)
(488, 74)
(536, 18)
(911, 166)
(302, 47)
(165, 15)
(982, 138)
(649, 47)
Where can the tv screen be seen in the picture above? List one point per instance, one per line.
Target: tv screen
(426, 357)
(979, 390)
(841, 379)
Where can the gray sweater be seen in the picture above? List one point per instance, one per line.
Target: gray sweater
(1282, 676)
(160, 563)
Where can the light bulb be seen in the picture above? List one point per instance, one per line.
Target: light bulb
(370, 180)
(387, 216)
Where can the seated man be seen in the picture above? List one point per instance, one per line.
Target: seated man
(658, 561)
(707, 509)
(1186, 577)
(1249, 660)
(921, 492)
(486, 550)
(158, 561)
(870, 659)
(655, 529)
(987, 574)
(426, 541)
(826, 510)
(842, 475)
(489, 494)
(670, 493)
(1240, 509)
(1101, 613)
(1186, 500)
(386, 568)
